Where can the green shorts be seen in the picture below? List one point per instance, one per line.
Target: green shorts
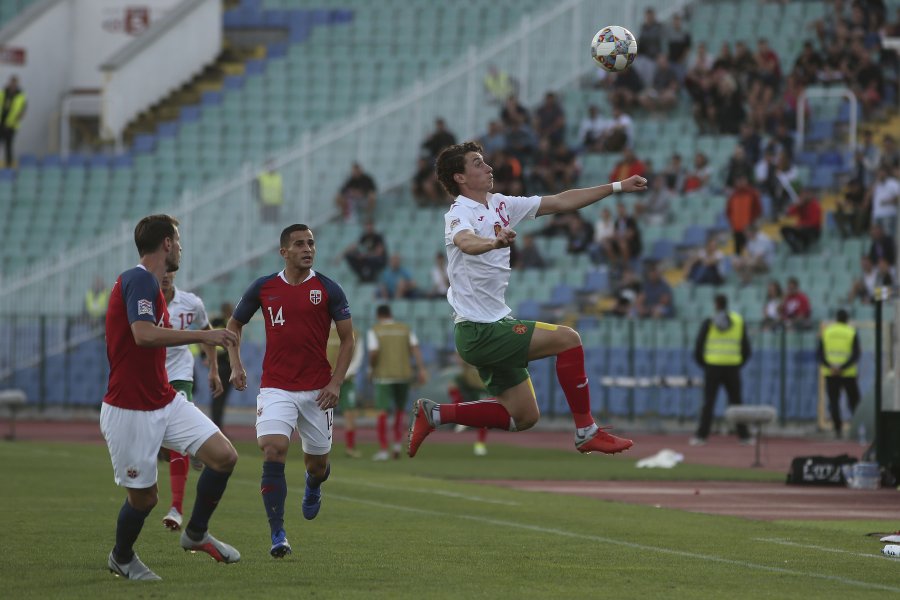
(499, 350)
(391, 396)
(468, 392)
(187, 387)
(348, 395)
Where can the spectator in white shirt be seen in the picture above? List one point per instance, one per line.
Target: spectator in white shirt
(593, 129)
(757, 256)
(882, 197)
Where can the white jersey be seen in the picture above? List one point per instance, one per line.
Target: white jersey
(186, 311)
(478, 283)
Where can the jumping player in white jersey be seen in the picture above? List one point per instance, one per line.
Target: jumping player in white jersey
(186, 311)
(478, 233)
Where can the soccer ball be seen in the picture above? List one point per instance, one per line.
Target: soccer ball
(614, 48)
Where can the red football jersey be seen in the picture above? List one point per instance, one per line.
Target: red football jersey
(298, 320)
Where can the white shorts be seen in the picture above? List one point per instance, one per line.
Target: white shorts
(281, 412)
(135, 436)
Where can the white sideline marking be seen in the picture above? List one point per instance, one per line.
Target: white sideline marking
(437, 493)
(820, 548)
(635, 546)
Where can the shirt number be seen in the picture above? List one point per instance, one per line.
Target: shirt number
(276, 318)
(186, 320)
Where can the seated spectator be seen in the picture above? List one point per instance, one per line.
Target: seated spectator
(513, 113)
(750, 141)
(742, 209)
(867, 82)
(439, 139)
(786, 187)
(604, 234)
(674, 174)
(396, 281)
(357, 193)
(662, 93)
(620, 133)
(652, 43)
(368, 256)
(758, 256)
(521, 141)
(592, 131)
(494, 140)
(629, 165)
(772, 306)
(555, 167)
(699, 177)
(882, 247)
(626, 294)
(738, 166)
(580, 234)
(795, 310)
(626, 243)
(764, 83)
(426, 190)
(851, 216)
(654, 204)
(678, 42)
(706, 266)
(808, 223)
(440, 282)
(726, 112)
(807, 65)
(529, 256)
(863, 288)
(890, 153)
(550, 119)
(508, 177)
(626, 87)
(882, 198)
(655, 299)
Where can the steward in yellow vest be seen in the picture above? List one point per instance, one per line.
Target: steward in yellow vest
(839, 355)
(12, 108)
(270, 193)
(96, 301)
(722, 348)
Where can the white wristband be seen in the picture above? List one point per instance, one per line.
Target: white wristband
(617, 187)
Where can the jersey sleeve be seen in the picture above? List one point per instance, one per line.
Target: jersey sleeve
(140, 291)
(338, 306)
(457, 219)
(249, 302)
(202, 321)
(521, 208)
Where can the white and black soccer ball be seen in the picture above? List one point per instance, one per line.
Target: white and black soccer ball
(614, 48)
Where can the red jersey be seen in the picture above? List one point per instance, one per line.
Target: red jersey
(298, 321)
(137, 376)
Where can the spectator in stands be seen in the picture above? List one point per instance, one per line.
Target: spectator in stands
(863, 288)
(808, 223)
(620, 134)
(626, 243)
(550, 119)
(626, 294)
(678, 42)
(786, 186)
(751, 143)
(698, 178)
(808, 64)
(425, 188)
(580, 234)
(758, 255)
(653, 206)
(882, 197)
(851, 215)
(268, 188)
(513, 113)
(396, 281)
(772, 306)
(655, 299)
(764, 83)
(742, 209)
(96, 301)
(13, 106)
(652, 38)
(439, 139)
(626, 86)
(368, 256)
(555, 167)
(868, 82)
(440, 282)
(869, 157)
(521, 141)
(495, 139)
(890, 153)
(508, 174)
(498, 85)
(629, 165)
(726, 113)
(765, 174)
(592, 131)
(357, 193)
(604, 235)
(706, 266)
(662, 93)
(738, 166)
(882, 247)
(795, 310)
(529, 256)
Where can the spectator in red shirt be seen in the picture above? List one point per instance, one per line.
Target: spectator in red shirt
(628, 166)
(795, 310)
(742, 210)
(808, 227)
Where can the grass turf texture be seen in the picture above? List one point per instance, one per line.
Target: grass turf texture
(406, 529)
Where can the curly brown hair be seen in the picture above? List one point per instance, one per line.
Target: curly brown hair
(452, 160)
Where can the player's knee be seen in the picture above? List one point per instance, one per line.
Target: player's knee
(145, 500)
(527, 418)
(570, 337)
(228, 460)
(318, 470)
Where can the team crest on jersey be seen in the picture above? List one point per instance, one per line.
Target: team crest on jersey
(520, 329)
(497, 228)
(453, 224)
(315, 296)
(145, 307)
(131, 472)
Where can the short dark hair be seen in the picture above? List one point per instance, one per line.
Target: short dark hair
(287, 231)
(452, 160)
(151, 231)
(721, 301)
(383, 311)
(842, 316)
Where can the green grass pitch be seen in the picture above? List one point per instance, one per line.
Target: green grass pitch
(416, 529)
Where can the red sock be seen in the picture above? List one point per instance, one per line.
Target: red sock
(572, 378)
(481, 413)
(350, 436)
(382, 430)
(482, 435)
(455, 395)
(178, 469)
(398, 426)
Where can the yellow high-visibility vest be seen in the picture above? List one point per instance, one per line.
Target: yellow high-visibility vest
(723, 348)
(837, 340)
(270, 189)
(499, 86)
(15, 109)
(95, 303)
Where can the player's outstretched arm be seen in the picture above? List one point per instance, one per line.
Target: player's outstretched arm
(238, 373)
(471, 243)
(149, 335)
(579, 198)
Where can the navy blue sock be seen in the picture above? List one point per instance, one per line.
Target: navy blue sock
(274, 493)
(210, 487)
(128, 527)
(314, 482)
